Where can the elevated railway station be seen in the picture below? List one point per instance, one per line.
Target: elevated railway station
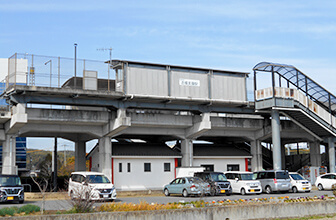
(159, 103)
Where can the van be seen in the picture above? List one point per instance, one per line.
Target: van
(243, 182)
(11, 189)
(299, 183)
(218, 182)
(91, 186)
(274, 181)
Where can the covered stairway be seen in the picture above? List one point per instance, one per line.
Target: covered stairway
(297, 97)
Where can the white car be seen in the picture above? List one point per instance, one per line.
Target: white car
(91, 186)
(243, 182)
(325, 181)
(299, 183)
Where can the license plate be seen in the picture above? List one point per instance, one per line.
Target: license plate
(223, 191)
(105, 196)
(304, 188)
(10, 198)
(252, 190)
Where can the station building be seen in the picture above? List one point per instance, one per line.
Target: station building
(159, 103)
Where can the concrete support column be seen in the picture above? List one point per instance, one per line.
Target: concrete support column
(315, 154)
(105, 156)
(9, 155)
(256, 151)
(187, 153)
(80, 153)
(276, 140)
(331, 144)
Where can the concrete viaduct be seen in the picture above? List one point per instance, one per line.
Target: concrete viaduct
(94, 114)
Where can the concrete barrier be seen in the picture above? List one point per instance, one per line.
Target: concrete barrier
(253, 211)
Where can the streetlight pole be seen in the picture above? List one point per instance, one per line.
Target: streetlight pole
(75, 83)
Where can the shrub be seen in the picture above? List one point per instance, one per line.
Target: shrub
(333, 187)
(8, 211)
(27, 209)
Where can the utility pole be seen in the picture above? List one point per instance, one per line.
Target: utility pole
(110, 64)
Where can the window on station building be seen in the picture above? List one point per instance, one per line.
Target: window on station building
(120, 167)
(208, 167)
(166, 167)
(232, 167)
(129, 167)
(147, 167)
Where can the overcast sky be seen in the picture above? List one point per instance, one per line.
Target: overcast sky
(230, 35)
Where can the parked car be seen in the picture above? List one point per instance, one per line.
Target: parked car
(325, 181)
(11, 189)
(243, 182)
(299, 183)
(91, 186)
(187, 186)
(218, 182)
(273, 181)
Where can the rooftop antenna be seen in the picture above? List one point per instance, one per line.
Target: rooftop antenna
(110, 64)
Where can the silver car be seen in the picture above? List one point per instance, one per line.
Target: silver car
(187, 186)
(274, 181)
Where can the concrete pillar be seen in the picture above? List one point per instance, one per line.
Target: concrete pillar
(187, 153)
(105, 156)
(331, 144)
(80, 153)
(256, 151)
(9, 155)
(276, 140)
(315, 154)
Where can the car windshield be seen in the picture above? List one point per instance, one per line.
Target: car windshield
(10, 181)
(247, 176)
(97, 179)
(218, 177)
(297, 176)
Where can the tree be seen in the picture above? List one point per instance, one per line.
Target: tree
(45, 176)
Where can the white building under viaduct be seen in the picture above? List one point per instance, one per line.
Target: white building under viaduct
(161, 103)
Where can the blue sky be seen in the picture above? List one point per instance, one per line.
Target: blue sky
(231, 35)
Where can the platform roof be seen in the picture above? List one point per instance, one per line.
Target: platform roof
(176, 67)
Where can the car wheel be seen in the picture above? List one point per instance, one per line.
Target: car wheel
(166, 192)
(320, 187)
(185, 193)
(268, 190)
(21, 201)
(295, 190)
(242, 191)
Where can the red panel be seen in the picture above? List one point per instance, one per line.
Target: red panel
(246, 164)
(176, 164)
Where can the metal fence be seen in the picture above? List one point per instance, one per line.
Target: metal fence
(50, 71)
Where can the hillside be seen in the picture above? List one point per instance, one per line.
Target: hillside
(35, 157)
